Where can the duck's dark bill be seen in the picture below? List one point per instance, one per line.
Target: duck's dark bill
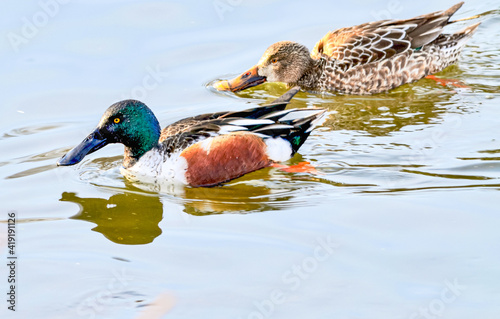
(90, 144)
(246, 80)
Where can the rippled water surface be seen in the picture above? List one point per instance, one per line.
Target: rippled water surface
(402, 220)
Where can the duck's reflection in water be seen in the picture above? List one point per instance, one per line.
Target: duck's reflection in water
(264, 190)
(238, 197)
(126, 218)
(420, 103)
(132, 217)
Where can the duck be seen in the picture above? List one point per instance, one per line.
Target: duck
(204, 150)
(370, 58)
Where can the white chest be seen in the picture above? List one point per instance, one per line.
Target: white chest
(153, 167)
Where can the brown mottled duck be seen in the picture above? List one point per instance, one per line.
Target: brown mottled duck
(369, 58)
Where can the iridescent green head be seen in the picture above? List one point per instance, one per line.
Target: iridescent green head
(128, 122)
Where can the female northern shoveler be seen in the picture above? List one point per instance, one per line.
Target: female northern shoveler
(203, 150)
(369, 58)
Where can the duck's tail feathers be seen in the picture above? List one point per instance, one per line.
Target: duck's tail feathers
(451, 11)
(446, 49)
(427, 27)
(456, 40)
(258, 112)
(293, 125)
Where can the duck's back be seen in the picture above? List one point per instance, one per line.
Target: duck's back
(378, 56)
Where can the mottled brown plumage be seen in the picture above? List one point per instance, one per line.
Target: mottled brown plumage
(369, 58)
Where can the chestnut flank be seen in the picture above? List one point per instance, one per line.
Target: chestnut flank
(225, 158)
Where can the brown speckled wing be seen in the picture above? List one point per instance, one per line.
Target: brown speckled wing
(403, 68)
(361, 45)
(381, 40)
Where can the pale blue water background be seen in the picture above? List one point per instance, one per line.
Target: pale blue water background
(403, 222)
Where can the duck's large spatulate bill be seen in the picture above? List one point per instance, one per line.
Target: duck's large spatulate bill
(90, 144)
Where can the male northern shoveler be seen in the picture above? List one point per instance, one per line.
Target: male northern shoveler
(369, 58)
(203, 150)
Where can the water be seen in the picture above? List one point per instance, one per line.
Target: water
(401, 222)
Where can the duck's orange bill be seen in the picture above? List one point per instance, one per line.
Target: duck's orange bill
(246, 80)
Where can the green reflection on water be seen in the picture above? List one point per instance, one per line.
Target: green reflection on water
(132, 216)
(125, 218)
(422, 102)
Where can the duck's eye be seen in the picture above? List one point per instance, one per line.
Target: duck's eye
(116, 120)
(274, 60)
